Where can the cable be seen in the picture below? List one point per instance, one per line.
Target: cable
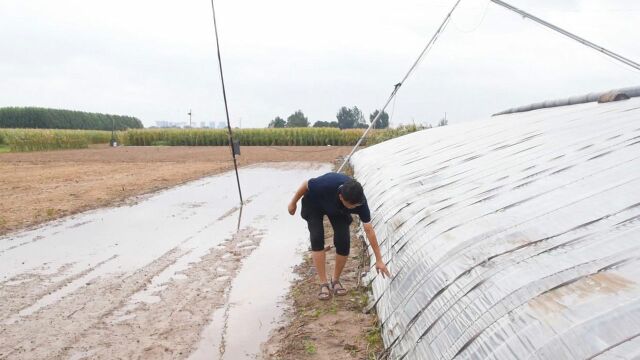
(226, 107)
(397, 86)
(393, 109)
(577, 38)
(474, 28)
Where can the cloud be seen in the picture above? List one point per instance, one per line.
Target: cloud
(156, 59)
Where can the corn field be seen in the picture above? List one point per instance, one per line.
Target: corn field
(258, 137)
(19, 140)
(39, 140)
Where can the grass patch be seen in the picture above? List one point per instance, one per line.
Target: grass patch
(374, 339)
(51, 212)
(4, 149)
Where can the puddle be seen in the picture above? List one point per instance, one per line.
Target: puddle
(256, 295)
(160, 238)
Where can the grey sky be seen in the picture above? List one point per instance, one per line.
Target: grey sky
(155, 59)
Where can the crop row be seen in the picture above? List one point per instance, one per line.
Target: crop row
(39, 139)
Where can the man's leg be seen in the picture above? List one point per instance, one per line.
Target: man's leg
(316, 233)
(341, 239)
(341, 261)
(315, 218)
(319, 260)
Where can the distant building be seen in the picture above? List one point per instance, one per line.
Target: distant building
(170, 124)
(222, 125)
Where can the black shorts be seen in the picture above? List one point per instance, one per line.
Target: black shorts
(340, 224)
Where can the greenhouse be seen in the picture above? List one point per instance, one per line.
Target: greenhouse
(516, 236)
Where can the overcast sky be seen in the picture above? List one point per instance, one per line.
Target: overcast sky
(155, 59)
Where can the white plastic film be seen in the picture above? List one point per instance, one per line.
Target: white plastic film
(512, 237)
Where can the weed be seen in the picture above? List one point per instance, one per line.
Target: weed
(363, 300)
(352, 349)
(373, 337)
(314, 313)
(310, 348)
(333, 309)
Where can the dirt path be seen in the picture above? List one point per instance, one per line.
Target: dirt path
(41, 186)
(338, 329)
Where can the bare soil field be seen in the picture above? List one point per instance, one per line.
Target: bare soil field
(41, 186)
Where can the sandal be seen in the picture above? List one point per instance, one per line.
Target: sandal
(322, 295)
(338, 289)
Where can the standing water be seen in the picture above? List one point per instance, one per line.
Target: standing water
(182, 273)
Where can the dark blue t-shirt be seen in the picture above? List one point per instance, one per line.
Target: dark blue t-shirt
(323, 192)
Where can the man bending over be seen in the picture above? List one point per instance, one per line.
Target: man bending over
(337, 196)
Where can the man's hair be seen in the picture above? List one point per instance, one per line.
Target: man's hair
(352, 192)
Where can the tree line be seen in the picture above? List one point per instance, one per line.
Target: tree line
(43, 118)
(346, 118)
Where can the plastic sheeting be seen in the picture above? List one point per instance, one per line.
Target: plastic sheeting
(591, 97)
(514, 237)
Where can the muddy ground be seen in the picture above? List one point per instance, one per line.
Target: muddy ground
(144, 280)
(42, 186)
(338, 329)
(163, 309)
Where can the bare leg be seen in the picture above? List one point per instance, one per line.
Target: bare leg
(319, 260)
(341, 260)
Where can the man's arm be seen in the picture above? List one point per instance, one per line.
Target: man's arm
(296, 197)
(373, 241)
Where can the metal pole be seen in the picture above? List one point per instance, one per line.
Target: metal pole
(113, 131)
(226, 108)
(577, 38)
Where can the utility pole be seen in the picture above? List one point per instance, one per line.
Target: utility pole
(113, 132)
(226, 107)
(189, 117)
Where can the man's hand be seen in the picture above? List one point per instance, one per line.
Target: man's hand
(382, 268)
(298, 195)
(373, 241)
